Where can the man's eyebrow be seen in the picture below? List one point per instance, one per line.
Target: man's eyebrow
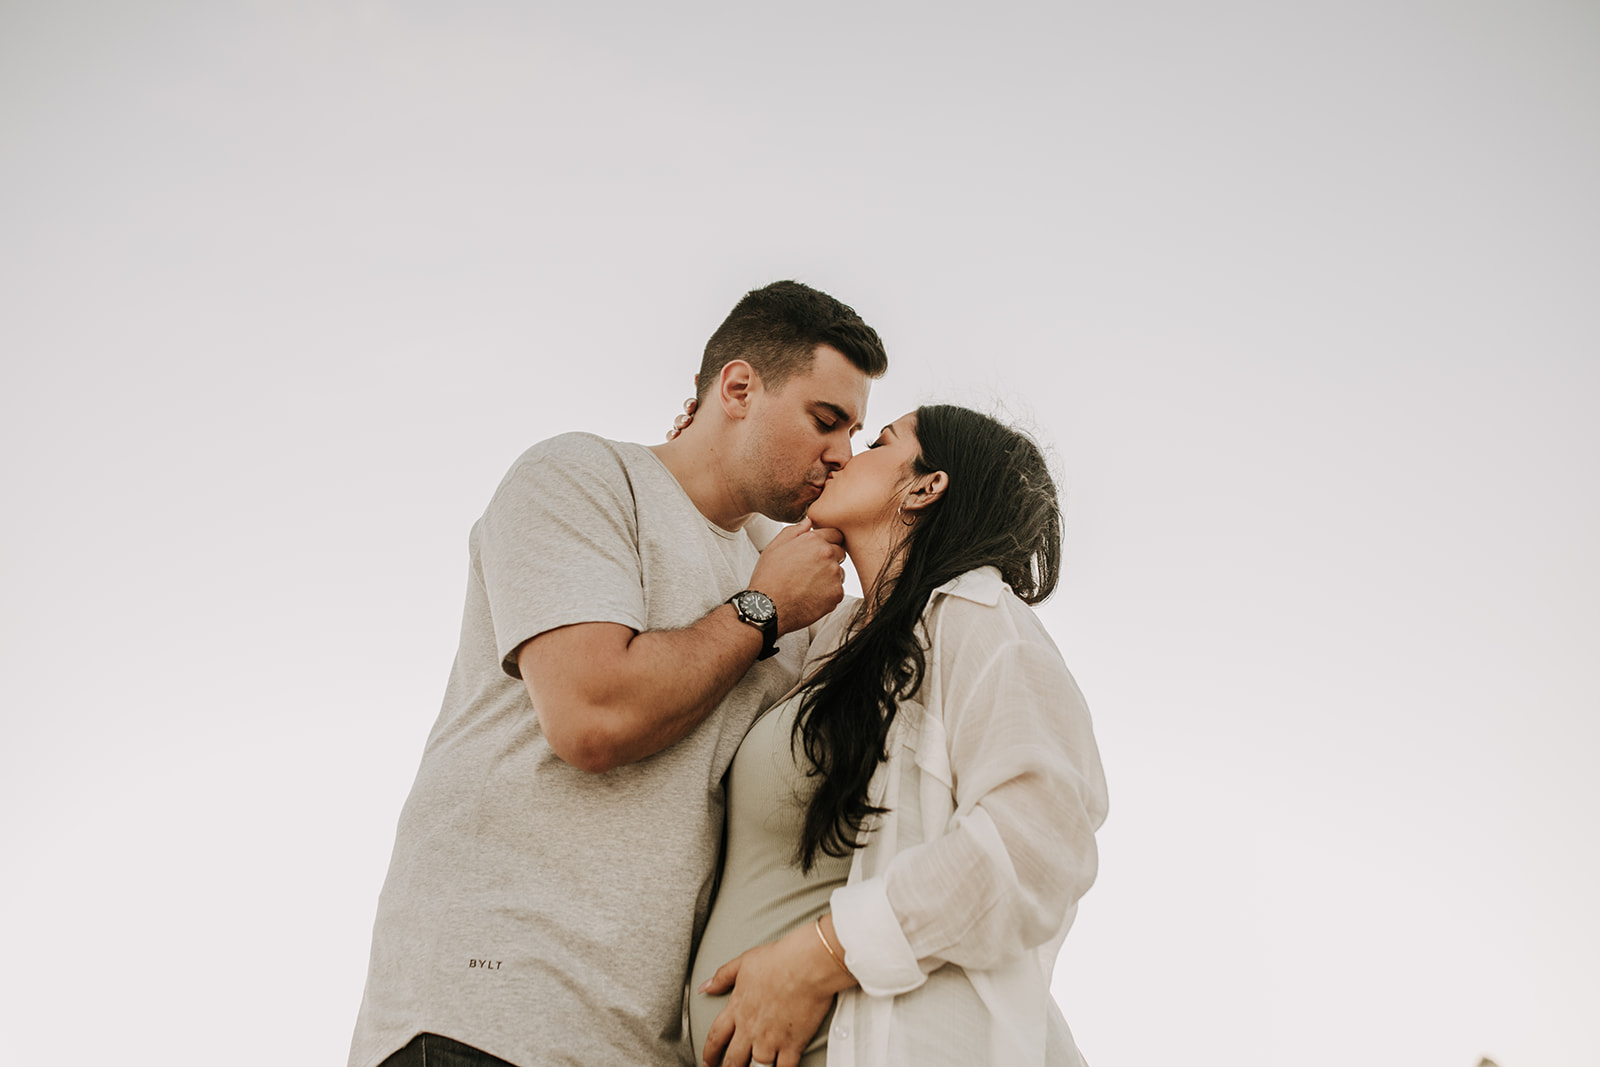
(840, 413)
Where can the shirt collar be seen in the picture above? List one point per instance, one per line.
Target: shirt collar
(981, 586)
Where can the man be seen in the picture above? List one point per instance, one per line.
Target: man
(555, 858)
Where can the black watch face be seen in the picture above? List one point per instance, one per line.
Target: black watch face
(755, 606)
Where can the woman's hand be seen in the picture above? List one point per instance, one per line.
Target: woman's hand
(781, 994)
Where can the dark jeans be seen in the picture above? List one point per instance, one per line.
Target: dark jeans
(431, 1050)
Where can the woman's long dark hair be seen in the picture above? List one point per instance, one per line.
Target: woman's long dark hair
(999, 509)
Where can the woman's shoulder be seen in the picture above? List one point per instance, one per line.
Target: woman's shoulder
(980, 605)
(992, 651)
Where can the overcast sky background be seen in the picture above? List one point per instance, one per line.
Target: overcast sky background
(1304, 297)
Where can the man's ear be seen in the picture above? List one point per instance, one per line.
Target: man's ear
(925, 491)
(736, 384)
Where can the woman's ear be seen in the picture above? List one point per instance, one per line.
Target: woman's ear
(925, 491)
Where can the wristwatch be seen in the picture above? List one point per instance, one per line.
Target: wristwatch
(758, 610)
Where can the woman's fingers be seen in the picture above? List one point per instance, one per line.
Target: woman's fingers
(738, 1054)
(717, 1040)
(723, 980)
(777, 997)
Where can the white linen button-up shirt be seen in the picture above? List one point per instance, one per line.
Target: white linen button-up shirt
(959, 901)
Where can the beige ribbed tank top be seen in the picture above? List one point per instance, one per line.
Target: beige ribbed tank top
(763, 895)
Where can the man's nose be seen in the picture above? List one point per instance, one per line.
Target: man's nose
(837, 454)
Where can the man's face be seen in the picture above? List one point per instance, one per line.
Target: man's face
(801, 433)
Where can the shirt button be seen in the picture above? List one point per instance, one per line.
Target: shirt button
(840, 1032)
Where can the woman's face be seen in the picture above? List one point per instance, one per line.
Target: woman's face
(867, 491)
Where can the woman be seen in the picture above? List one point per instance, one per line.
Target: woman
(911, 830)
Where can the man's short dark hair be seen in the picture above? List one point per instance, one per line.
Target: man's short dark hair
(777, 328)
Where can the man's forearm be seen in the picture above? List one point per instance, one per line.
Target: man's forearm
(607, 696)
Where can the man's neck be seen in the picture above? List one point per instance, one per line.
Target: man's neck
(700, 463)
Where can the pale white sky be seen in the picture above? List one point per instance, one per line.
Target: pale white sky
(1303, 296)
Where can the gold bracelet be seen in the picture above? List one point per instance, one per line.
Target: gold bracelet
(829, 948)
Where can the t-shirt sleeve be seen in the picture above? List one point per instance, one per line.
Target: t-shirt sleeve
(558, 545)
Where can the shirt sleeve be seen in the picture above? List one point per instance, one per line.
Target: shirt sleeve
(1019, 850)
(558, 544)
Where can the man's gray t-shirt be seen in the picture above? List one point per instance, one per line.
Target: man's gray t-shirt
(538, 912)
